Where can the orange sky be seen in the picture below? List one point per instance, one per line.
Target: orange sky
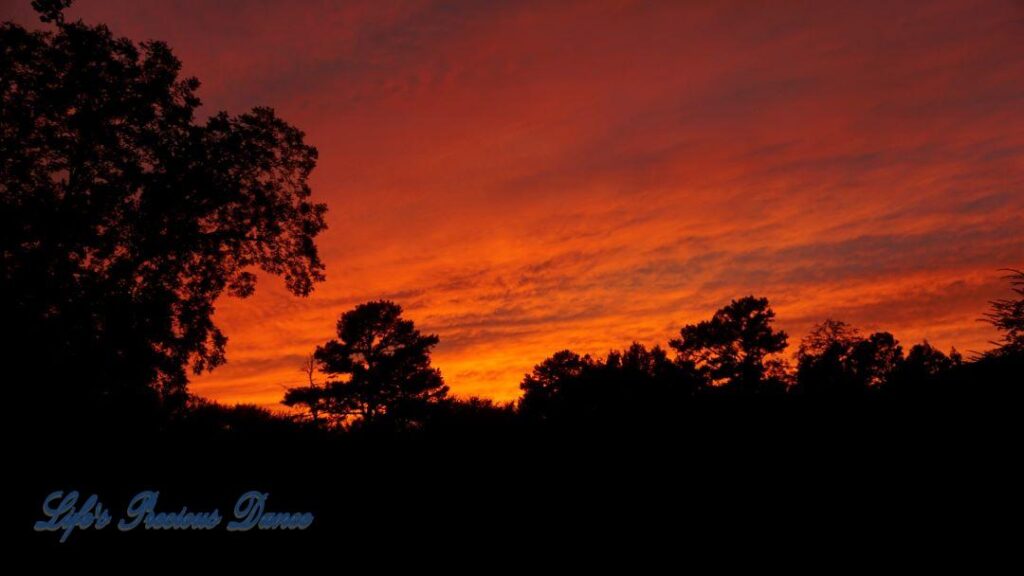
(525, 177)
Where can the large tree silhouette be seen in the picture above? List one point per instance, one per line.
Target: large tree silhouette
(734, 348)
(380, 365)
(123, 218)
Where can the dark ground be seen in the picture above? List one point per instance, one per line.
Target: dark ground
(744, 484)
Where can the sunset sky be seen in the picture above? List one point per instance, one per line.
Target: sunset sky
(525, 177)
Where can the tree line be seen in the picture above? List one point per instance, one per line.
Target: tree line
(378, 370)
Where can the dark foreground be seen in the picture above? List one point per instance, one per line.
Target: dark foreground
(738, 483)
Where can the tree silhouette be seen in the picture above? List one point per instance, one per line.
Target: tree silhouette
(876, 358)
(826, 336)
(630, 385)
(554, 385)
(734, 348)
(647, 381)
(385, 367)
(312, 397)
(1007, 315)
(51, 10)
(834, 361)
(920, 370)
(122, 218)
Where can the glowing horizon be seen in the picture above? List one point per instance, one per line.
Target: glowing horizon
(524, 178)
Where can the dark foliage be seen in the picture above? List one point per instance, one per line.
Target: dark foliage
(734, 350)
(834, 361)
(123, 217)
(1007, 315)
(623, 388)
(379, 368)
